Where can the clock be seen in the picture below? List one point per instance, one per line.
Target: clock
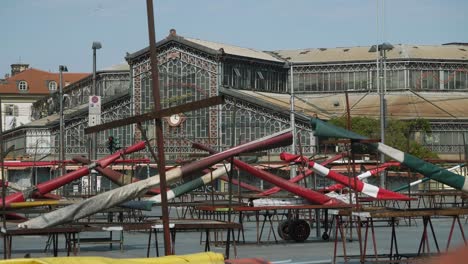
(175, 119)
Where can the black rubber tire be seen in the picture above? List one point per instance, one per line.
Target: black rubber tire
(325, 236)
(299, 230)
(283, 230)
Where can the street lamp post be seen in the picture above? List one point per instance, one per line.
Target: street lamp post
(96, 45)
(292, 172)
(62, 69)
(381, 51)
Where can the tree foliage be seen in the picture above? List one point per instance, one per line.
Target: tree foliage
(398, 133)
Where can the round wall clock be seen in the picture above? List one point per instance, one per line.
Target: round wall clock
(175, 119)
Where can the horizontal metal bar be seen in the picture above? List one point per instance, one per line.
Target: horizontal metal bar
(345, 141)
(153, 115)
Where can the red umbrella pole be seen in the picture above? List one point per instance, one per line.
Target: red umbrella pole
(58, 182)
(303, 175)
(278, 181)
(115, 176)
(368, 189)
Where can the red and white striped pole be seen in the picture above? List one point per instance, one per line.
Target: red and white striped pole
(305, 193)
(302, 175)
(362, 176)
(368, 189)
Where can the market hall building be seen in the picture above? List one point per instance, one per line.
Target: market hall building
(422, 82)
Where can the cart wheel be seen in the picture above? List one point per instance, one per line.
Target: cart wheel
(299, 230)
(325, 236)
(283, 230)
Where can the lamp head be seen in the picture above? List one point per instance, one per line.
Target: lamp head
(63, 68)
(373, 48)
(380, 47)
(96, 45)
(386, 46)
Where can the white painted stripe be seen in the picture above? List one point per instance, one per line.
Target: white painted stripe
(391, 152)
(415, 182)
(216, 173)
(361, 214)
(451, 169)
(370, 190)
(364, 175)
(170, 195)
(320, 169)
(157, 198)
(112, 228)
(455, 168)
(205, 178)
(160, 226)
(171, 175)
(281, 261)
(465, 185)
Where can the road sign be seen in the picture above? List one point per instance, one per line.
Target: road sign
(94, 116)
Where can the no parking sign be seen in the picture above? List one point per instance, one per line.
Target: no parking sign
(94, 114)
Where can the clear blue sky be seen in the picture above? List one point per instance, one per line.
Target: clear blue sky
(47, 33)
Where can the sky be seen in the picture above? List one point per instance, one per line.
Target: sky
(49, 33)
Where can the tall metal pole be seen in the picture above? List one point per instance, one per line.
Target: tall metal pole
(381, 94)
(61, 134)
(383, 89)
(159, 130)
(2, 172)
(230, 177)
(293, 123)
(93, 92)
(382, 113)
(92, 179)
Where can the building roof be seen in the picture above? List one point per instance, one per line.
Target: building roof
(37, 81)
(402, 105)
(361, 53)
(118, 67)
(213, 48)
(454, 51)
(235, 50)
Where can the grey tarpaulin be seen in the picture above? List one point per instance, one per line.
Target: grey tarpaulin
(97, 203)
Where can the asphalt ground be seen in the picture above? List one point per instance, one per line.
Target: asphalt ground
(312, 250)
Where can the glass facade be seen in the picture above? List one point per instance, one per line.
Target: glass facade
(180, 83)
(247, 125)
(317, 79)
(77, 143)
(331, 81)
(433, 80)
(183, 81)
(255, 77)
(447, 138)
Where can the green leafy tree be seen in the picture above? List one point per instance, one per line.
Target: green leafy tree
(398, 133)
